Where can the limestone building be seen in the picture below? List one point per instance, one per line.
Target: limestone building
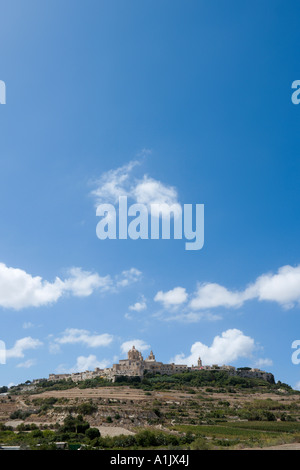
(136, 366)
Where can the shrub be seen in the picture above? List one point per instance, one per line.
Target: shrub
(21, 414)
(92, 433)
(87, 408)
(75, 425)
(199, 444)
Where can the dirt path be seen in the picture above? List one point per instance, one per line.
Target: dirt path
(293, 446)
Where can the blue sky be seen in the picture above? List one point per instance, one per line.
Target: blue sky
(192, 98)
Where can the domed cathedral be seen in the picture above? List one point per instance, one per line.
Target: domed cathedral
(134, 355)
(136, 365)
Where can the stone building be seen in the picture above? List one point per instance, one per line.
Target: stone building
(136, 366)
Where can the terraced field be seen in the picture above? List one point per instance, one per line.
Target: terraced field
(176, 415)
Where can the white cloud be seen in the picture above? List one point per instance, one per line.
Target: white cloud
(19, 289)
(149, 191)
(22, 345)
(83, 363)
(297, 386)
(27, 364)
(282, 287)
(172, 298)
(212, 295)
(89, 363)
(146, 190)
(139, 306)
(191, 317)
(263, 362)
(84, 337)
(225, 349)
(128, 277)
(113, 184)
(139, 344)
(83, 283)
(54, 348)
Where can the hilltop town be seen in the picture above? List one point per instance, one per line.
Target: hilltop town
(136, 366)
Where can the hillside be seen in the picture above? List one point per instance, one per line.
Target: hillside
(192, 410)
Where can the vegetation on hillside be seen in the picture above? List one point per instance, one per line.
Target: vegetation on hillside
(201, 410)
(150, 382)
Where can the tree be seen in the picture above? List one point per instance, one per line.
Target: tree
(92, 433)
(75, 424)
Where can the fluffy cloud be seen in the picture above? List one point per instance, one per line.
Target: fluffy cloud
(149, 191)
(22, 345)
(172, 298)
(89, 363)
(225, 349)
(27, 364)
(139, 344)
(19, 290)
(263, 362)
(83, 363)
(128, 277)
(84, 337)
(113, 184)
(139, 306)
(84, 283)
(212, 295)
(146, 190)
(282, 287)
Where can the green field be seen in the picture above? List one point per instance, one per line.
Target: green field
(245, 434)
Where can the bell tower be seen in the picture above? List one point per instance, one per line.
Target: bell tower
(151, 356)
